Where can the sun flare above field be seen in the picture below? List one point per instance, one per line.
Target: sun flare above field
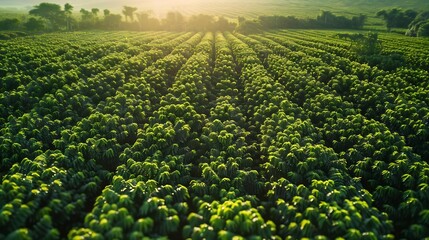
(161, 7)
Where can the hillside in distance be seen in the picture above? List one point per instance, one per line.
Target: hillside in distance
(232, 8)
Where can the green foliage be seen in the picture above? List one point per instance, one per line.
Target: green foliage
(248, 26)
(328, 20)
(369, 49)
(34, 24)
(397, 18)
(9, 24)
(216, 135)
(363, 45)
(325, 20)
(50, 11)
(414, 27)
(423, 30)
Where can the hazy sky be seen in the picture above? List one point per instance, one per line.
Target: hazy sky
(158, 7)
(112, 4)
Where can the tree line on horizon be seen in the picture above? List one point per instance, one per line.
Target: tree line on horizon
(53, 17)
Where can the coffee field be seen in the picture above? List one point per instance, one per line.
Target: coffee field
(215, 135)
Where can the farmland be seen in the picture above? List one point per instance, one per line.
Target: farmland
(284, 134)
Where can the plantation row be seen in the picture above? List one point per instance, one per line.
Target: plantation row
(211, 135)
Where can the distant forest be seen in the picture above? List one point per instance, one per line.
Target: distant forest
(47, 17)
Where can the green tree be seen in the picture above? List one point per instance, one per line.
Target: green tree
(248, 26)
(200, 22)
(421, 19)
(112, 21)
(86, 15)
(222, 24)
(369, 45)
(143, 19)
(423, 30)
(174, 21)
(9, 24)
(397, 17)
(95, 12)
(52, 12)
(363, 45)
(388, 17)
(368, 48)
(358, 21)
(68, 9)
(129, 13)
(106, 12)
(34, 24)
(87, 18)
(328, 19)
(146, 22)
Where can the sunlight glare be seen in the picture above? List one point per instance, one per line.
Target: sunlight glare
(161, 7)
